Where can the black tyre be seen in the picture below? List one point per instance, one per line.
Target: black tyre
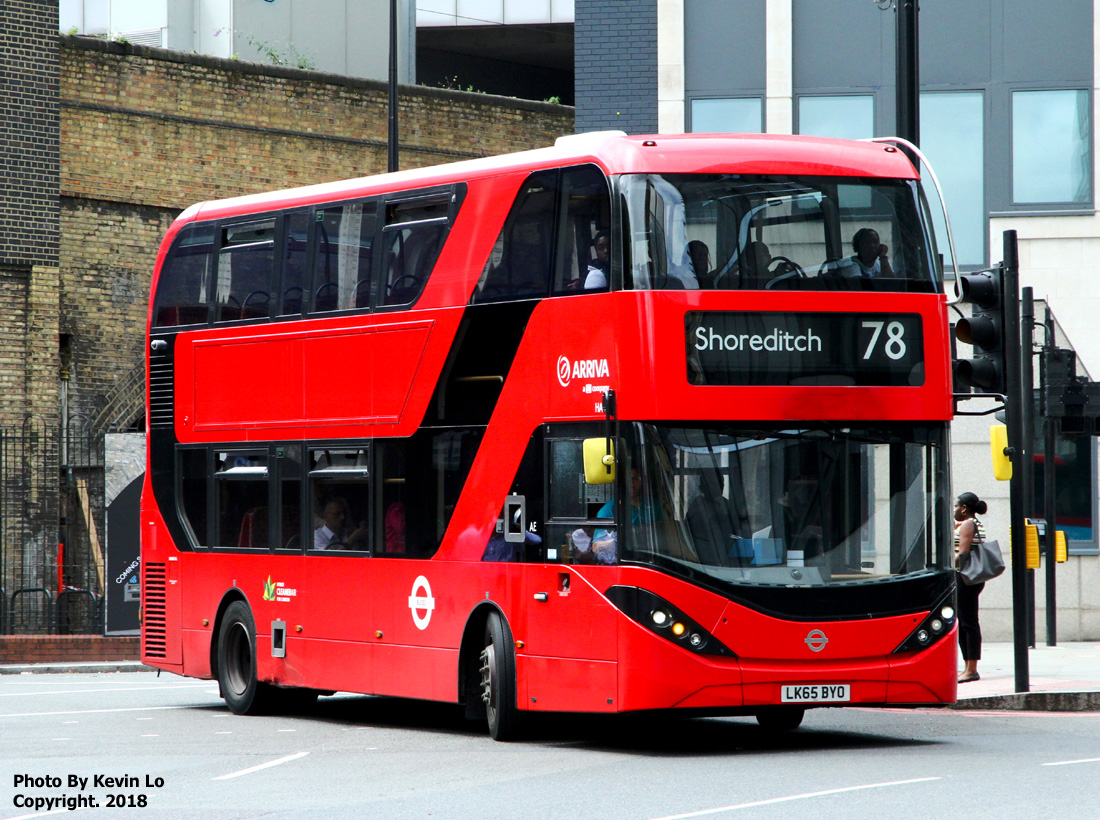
(243, 693)
(781, 718)
(498, 680)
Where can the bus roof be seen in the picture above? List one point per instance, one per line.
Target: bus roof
(616, 153)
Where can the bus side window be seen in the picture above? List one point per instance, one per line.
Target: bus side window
(584, 248)
(184, 282)
(580, 518)
(245, 271)
(295, 262)
(289, 461)
(527, 485)
(520, 265)
(412, 240)
(343, 237)
(193, 492)
(339, 487)
(392, 502)
(241, 499)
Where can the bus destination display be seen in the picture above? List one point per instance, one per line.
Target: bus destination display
(755, 348)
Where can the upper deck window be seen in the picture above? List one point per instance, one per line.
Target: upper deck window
(245, 262)
(556, 238)
(411, 241)
(185, 279)
(741, 232)
(343, 237)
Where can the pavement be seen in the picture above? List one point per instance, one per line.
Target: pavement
(1062, 678)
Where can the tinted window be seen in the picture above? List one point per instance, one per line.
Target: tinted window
(245, 271)
(183, 286)
(413, 238)
(343, 236)
(740, 232)
(339, 488)
(193, 493)
(584, 252)
(240, 497)
(295, 262)
(520, 263)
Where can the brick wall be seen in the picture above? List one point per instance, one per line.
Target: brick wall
(102, 144)
(147, 132)
(28, 132)
(615, 60)
(20, 649)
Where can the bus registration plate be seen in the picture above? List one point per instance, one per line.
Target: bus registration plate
(817, 693)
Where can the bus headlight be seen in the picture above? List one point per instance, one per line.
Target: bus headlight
(662, 618)
(935, 625)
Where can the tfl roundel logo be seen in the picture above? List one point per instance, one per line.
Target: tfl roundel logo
(816, 640)
(564, 371)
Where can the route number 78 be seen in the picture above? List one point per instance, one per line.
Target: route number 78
(894, 346)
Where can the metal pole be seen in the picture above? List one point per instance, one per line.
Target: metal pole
(1020, 454)
(907, 72)
(392, 140)
(1050, 457)
(1027, 415)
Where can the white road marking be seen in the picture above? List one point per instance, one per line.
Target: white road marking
(95, 711)
(789, 798)
(1072, 762)
(97, 691)
(44, 813)
(267, 765)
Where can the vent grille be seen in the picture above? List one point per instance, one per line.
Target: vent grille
(154, 632)
(161, 392)
(146, 37)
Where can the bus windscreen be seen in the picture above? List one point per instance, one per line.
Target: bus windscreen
(747, 232)
(821, 505)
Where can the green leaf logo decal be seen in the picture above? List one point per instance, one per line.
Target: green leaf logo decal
(269, 589)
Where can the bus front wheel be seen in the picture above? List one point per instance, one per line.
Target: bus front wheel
(498, 680)
(243, 693)
(781, 718)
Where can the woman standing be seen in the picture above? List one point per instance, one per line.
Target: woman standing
(968, 532)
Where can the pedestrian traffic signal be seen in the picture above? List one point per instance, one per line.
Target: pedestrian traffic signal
(984, 329)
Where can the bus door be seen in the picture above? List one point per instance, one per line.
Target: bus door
(569, 629)
(338, 581)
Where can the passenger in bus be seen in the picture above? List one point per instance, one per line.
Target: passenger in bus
(712, 524)
(871, 257)
(599, 267)
(394, 524)
(334, 533)
(700, 261)
(755, 259)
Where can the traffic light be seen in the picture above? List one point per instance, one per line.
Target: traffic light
(985, 330)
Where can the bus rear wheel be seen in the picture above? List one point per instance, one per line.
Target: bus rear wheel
(243, 693)
(498, 680)
(781, 718)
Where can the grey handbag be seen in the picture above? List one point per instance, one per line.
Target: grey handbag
(983, 562)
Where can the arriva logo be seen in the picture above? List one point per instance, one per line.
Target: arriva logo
(581, 369)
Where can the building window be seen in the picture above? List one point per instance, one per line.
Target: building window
(1050, 147)
(850, 116)
(952, 137)
(739, 115)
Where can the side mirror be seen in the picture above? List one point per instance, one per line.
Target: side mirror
(599, 461)
(998, 443)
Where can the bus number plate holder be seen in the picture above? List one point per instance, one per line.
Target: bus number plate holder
(816, 693)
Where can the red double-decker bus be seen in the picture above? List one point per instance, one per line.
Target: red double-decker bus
(629, 423)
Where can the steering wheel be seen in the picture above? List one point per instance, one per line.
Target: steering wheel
(337, 545)
(785, 269)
